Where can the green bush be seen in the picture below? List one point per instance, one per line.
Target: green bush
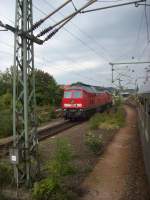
(59, 167)
(118, 101)
(95, 121)
(45, 114)
(6, 101)
(2, 197)
(94, 142)
(45, 189)
(108, 120)
(5, 174)
(5, 123)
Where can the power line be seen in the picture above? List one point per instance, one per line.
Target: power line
(147, 25)
(73, 35)
(143, 51)
(109, 1)
(112, 6)
(74, 72)
(74, 5)
(65, 57)
(60, 24)
(139, 31)
(38, 23)
(50, 61)
(83, 32)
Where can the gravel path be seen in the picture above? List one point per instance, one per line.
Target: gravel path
(119, 174)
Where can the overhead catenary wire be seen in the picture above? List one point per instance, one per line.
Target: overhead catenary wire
(105, 51)
(112, 6)
(38, 23)
(109, 1)
(134, 49)
(74, 5)
(147, 24)
(56, 66)
(65, 20)
(143, 51)
(68, 19)
(75, 36)
(74, 73)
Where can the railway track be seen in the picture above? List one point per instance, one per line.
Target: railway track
(43, 133)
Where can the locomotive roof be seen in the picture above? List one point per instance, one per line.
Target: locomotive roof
(90, 89)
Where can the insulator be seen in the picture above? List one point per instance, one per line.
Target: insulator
(51, 35)
(45, 31)
(36, 25)
(1, 24)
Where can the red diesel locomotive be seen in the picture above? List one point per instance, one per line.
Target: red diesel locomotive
(82, 101)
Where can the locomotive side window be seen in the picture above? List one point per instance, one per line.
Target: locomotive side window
(67, 94)
(77, 94)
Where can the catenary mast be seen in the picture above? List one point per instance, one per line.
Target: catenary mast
(25, 142)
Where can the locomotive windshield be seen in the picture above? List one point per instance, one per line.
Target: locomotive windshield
(72, 94)
(77, 94)
(67, 94)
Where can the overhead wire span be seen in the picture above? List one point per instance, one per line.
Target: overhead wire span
(74, 5)
(56, 30)
(134, 49)
(74, 73)
(50, 61)
(147, 24)
(76, 37)
(38, 23)
(65, 20)
(143, 51)
(105, 51)
(112, 6)
(109, 1)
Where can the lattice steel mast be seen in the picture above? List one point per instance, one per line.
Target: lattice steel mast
(24, 118)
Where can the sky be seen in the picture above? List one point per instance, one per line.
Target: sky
(83, 49)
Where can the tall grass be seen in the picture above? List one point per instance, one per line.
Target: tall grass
(108, 120)
(53, 187)
(5, 123)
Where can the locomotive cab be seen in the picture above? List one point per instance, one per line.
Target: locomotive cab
(81, 102)
(72, 103)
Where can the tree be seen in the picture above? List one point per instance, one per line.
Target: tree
(47, 90)
(6, 81)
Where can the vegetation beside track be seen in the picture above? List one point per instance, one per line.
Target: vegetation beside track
(66, 159)
(108, 120)
(53, 186)
(48, 97)
(5, 177)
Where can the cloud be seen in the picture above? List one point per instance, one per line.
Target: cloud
(83, 49)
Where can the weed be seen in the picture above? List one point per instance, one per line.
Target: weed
(108, 121)
(5, 123)
(5, 174)
(60, 166)
(94, 142)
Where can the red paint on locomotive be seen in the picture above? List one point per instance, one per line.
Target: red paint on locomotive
(81, 101)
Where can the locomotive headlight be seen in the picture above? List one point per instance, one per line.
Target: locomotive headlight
(79, 105)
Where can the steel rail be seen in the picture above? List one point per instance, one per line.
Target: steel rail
(43, 133)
